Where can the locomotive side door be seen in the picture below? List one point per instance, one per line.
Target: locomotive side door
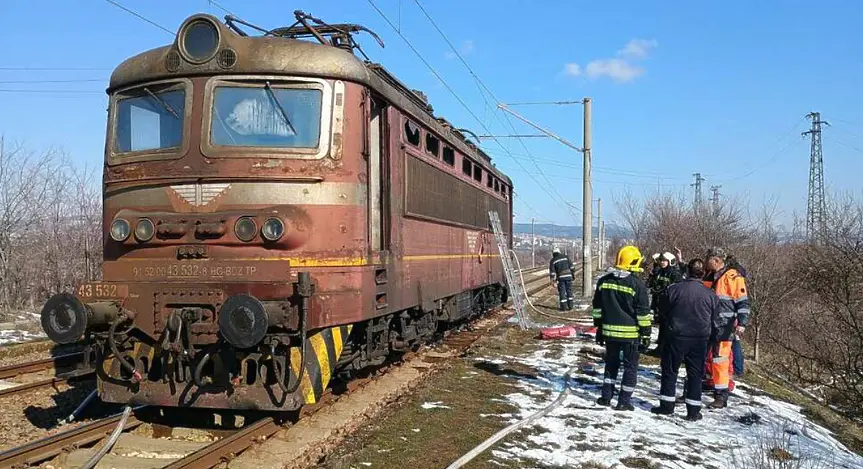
(378, 168)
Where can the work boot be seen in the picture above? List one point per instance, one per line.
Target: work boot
(569, 305)
(626, 406)
(693, 417)
(720, 401)
(603, 402)
(664, 408)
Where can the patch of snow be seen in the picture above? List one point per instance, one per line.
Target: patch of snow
(579, 431)
(415, 430)
(434, 405)
(15, 336)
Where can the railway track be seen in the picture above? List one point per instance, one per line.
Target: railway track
(67, 361)
(179, 453)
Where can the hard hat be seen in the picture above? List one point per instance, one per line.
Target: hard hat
(555, 251)
(668, 256)
(629, 258)
(655, 257)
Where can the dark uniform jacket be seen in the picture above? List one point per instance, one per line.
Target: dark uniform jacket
(560, 267)
(690, 309)
(730, 288)
(660, 279)
(620, 307)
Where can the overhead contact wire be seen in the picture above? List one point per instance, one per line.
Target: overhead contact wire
(455, 95)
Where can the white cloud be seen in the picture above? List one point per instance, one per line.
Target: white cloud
(637, 49)
(572, 69)
(466, 48)
(618, 70)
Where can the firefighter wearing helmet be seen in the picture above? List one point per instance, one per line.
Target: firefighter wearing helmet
(663, 276)
(621, 314)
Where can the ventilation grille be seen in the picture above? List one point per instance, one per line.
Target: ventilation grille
(172, 61)
(227, 58)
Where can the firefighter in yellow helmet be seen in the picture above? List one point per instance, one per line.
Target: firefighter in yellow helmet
(621, 314)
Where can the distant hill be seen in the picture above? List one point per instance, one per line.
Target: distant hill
(565, 231)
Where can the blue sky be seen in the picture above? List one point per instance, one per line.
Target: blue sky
(677, 87)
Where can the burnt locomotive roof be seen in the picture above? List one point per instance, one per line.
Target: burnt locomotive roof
(285, 56)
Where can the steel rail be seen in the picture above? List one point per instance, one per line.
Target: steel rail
(46, 448)
(11, 371)
(48, 382)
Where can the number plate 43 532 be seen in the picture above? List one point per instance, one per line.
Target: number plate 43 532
(103, 290)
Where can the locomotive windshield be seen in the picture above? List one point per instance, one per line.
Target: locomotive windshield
(151, 119)
(266, 116)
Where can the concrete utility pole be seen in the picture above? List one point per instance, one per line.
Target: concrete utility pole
(587, 197)
(533, 243)
(816, 207)
(587, 220)
(599, 232)
(602, 252)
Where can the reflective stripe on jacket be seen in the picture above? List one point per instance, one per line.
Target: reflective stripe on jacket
(560, 267)
(620, 306)
(730, 288)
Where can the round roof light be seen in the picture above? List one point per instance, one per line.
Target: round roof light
(199, 40)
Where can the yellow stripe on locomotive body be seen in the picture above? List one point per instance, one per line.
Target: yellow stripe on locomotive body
(323, 349)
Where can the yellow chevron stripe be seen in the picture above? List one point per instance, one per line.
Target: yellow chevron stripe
(320, 348)
(337, 340)
(306, 388)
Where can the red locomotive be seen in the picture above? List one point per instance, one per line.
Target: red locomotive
(276, 211)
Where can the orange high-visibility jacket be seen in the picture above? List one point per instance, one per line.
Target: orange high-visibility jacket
(730, 287)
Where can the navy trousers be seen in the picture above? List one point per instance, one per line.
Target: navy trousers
(615, 352)
(564, 292)
(692, 352)
(737, 352)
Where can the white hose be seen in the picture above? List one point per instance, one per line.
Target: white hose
(506, 431)
(527, 297)
(115, 435)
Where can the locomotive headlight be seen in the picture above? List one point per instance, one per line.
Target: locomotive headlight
(199, 40)
(246, 229)
(120, 230)
(273, 229)
(144, 230)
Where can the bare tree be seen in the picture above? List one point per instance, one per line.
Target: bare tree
(50, 225)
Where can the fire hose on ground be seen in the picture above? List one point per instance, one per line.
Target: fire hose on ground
(527, 297)
(506, 431)
(115, 435)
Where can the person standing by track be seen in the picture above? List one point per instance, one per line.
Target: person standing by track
(561, 271)
(621, 314)
(660, 279)
(691, 314)
(730, 288)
